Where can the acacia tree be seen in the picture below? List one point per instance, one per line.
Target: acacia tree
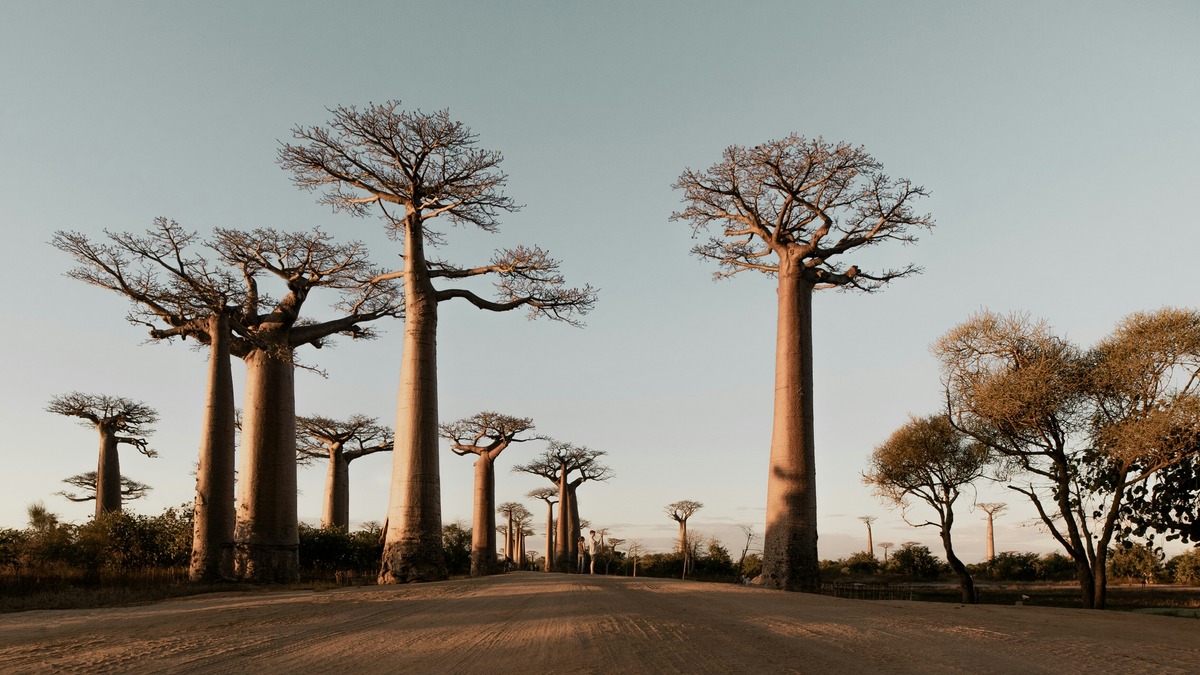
(870, 541)
(930, 460)
(793, 208)
(885, 545)
(992, 509)
(413, 168)
(548, 495)
(558, 464)
(485, 435)
(680, 512)
(119, 421)
(1080, 430)
(86, 483)
(180, 294)
(341, 442)
(266, 536)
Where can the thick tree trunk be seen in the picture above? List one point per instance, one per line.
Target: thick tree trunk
(510, 540)
(335, 512)
(991, 541)
(520, 550)
(266, 536)
(790, 542)
(108, 474)
(547, 565)
(573, 524)
(213, 514)
(563, 560)
(683, 547)
(483, 527)
(412, 549)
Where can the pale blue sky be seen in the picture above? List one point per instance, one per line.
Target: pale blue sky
(1059, 141)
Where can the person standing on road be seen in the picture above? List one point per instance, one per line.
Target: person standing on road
(582, 547)
(593, 547)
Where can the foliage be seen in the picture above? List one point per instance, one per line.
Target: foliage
(456, 542)
(325, 550)
(1185, 567)
(914, 560)
(861, 563)
(1135, 562)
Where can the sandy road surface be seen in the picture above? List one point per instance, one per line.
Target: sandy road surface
(552, 623)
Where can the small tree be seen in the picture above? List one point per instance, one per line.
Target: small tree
(550, 496)
(340, 442)
(119, 421)
(870, 541)
(680, 512)
(86, 483)
(992, 509)
(930, 460)
(792, 208)
(415, 167)
(885, 545)
(485, 435)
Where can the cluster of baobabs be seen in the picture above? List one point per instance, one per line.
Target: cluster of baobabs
(793, 208)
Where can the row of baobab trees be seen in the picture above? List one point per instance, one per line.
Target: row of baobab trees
(792, 208)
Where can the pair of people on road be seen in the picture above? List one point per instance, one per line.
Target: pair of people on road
(590, 548)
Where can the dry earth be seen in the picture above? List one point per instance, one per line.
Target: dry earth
(533, 623)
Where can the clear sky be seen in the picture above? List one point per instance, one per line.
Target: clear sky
(1059, 142)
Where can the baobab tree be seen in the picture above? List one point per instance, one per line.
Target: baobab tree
(870, 542)
(567, 466)
(86, 483)
(340, 442)
(679, 512)
(885, 545)
(177, 293)
(266, 537)
(1081, 430)
(930, 460)
(516, 516)
(485, 435)
(793, 208)
(992, 509)
(413, 168)
(119, 421)
(550, 496)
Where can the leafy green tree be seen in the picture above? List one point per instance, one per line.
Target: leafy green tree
(931, 461)
(1185, 567)
(1135, 562)
(915, 560)
(456, 542)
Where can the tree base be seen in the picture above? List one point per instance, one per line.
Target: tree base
(483, 564)
(785, 568)
(406, 562)
(267, 564)
(209, 568)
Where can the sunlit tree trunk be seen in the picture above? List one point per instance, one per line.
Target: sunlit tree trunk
(335, 512)
(548, 565)
(991, 540)
(563, 560)
(108, 473)
(483, 527)
(413, 546)
(267, 537)
(213, 514)
(790, 543)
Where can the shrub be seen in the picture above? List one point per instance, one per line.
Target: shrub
(862, 563)
(1136, 562)
(915, 560)
(1185, 567)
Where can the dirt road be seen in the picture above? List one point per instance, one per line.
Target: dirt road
(551, 623)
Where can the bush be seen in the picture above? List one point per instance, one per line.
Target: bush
(915, 560)
(1185, 567)
(1055, 567)
(456, 543)
(326, 551)
(861, 563)
(1135, 562)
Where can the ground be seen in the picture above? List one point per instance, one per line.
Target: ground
(531, 622)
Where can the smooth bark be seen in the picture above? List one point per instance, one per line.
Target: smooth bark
(267, 537)
(335, 510)
(413, 545)
(213, 514)
(790, 559)
(483, 532)
(108, 473)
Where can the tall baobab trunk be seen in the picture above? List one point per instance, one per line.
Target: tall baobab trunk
(573, 523)
(521, 550)
(548, 565)
(267, 537)
(108, 473)
(335, 511)
(510, 540)
(790, 543)
(563, 560)
(483, 529)
(413, 547)
(213, 514)
(683, 545)
(991, 540)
